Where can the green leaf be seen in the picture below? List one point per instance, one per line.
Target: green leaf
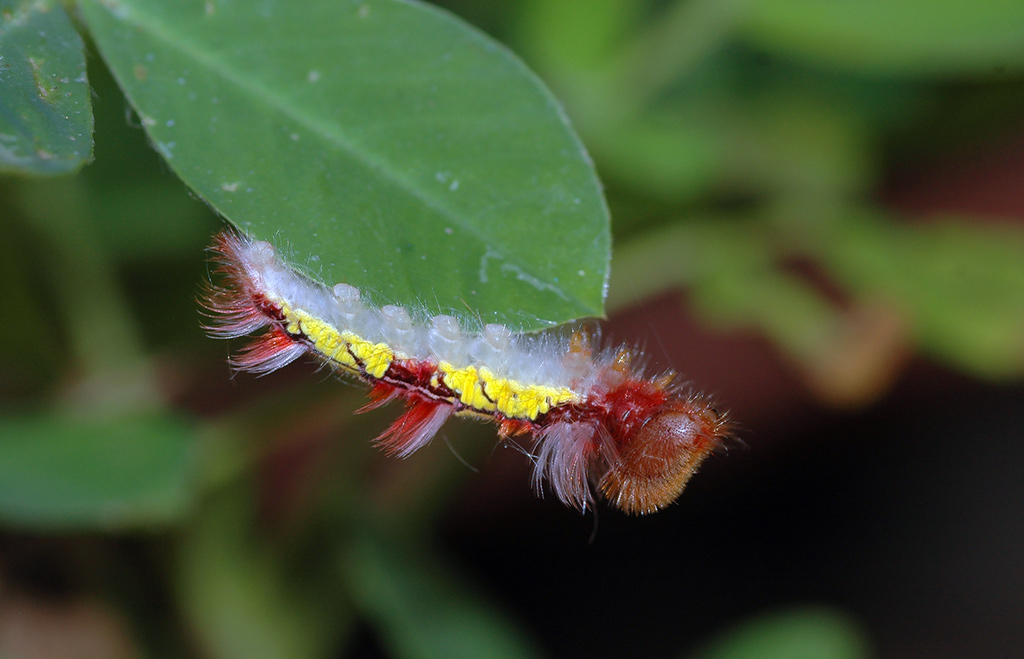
(961, 285)
(731, 270)
(807, 633)
(45, 117)
(381, 143)
(422, 610)
(882, 36)
(242, 599)
(576, 35)
(64, 473)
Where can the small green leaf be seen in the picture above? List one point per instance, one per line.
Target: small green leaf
(960, 284)
(807, 633)
(380, 143)
(45, 116)
(63, 473)
(904, 37)
(576, 35)
(242, 599)
(422, 610)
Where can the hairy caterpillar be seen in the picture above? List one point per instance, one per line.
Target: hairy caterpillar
(594, 417)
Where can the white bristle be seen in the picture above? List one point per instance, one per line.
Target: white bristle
(398, 329)
(396, 317)
(447, 327)
(346, 294)
(445, 339)
(498, 336)
(263, 251)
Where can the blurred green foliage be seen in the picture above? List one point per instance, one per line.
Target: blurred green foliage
(740, 138)
(803, 633)
(735, 139)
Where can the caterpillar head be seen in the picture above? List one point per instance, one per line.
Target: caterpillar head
(655, 464)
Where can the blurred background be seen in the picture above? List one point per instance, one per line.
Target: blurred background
(817, 210)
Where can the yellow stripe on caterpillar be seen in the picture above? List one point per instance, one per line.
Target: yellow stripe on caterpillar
(346, 349)
(483, 390)
(479, 389)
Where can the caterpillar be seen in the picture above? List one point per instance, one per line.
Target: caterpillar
(596, 421)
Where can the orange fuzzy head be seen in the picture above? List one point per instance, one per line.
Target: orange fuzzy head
(661, 456)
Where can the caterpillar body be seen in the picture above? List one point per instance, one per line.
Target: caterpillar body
(595, 419)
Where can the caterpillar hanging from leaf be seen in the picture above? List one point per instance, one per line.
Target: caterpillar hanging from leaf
(595, 420)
